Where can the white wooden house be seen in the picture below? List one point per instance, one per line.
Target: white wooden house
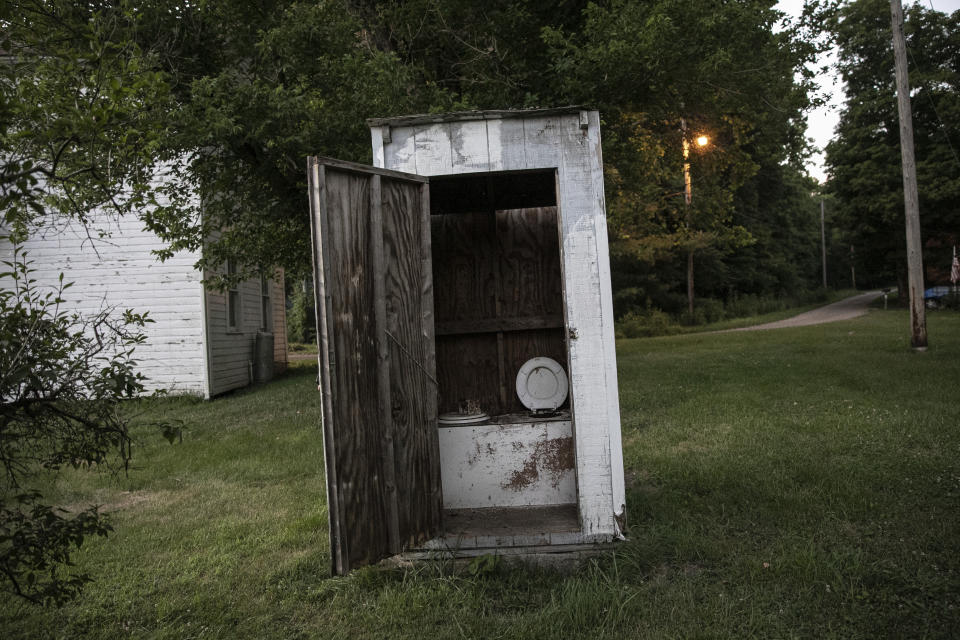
(466, 338)
(201, 341)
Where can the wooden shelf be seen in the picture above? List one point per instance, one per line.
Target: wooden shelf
(496, 325)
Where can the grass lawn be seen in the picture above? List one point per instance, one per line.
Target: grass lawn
(799, 483)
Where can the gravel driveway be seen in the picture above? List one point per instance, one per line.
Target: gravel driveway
(843, 310)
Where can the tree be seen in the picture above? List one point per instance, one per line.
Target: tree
(79, 114)
(727, 72)
(864, 157)
(62, 377)
(259, 87)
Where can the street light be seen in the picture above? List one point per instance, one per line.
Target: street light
(702, 141)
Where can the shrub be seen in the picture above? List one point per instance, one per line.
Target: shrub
(301, 317)
(645, 324)
(713, 310)
(64, 380)
(950, 301)
(743, 306)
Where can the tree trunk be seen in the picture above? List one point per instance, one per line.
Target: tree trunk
(690, 283)
(902, 290)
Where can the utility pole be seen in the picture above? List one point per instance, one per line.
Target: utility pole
(918, 317)
(823, 245)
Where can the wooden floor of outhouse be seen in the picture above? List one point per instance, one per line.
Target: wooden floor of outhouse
(511, 521)
(500, 527)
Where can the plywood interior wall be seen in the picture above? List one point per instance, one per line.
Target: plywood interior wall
(498, 290)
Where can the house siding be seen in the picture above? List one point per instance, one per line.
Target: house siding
(119, 272)
(232, 350)
(278, 298)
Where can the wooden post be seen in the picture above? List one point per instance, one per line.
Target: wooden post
(823, 245)
(918, 319)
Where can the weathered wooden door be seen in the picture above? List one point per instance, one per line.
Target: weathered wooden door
(374, 296)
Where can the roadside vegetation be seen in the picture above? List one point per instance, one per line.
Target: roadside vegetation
(716, 315)
(792, 483)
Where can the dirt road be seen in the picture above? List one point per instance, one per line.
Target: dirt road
(844, 310)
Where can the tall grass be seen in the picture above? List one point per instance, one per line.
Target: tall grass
(801, 483)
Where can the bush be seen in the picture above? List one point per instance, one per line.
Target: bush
(63, 382)
(645, 324)
(656, 322)
(713, 310)
(950, 301)
(301, 317)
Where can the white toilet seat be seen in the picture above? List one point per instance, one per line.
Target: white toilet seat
(542, 384)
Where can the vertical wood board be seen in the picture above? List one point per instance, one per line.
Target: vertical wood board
(432, 149)
(428, 334)
(508, 139)
(400, 154)
(385, 363)
(412, 379)
(528, 255)
(356, 424)
(607, 326)
(469, 148)
(581, 211)
(316, 178)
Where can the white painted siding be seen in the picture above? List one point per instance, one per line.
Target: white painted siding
(569, 142)
(278, 299)
(119, 272)
(231, 351)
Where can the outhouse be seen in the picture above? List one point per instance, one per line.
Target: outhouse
(465, 322)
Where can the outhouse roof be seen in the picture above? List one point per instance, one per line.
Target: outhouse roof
(458, 116)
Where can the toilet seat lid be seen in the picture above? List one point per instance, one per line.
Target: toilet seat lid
(542, 384)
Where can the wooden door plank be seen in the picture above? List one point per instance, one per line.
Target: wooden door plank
(413, 385)
(316, 178)
(366, 170)
(428, 316)
(384, 361)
